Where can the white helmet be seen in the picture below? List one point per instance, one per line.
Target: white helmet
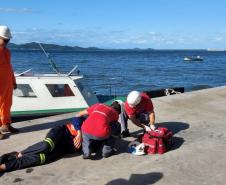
(133, 98)
(5, 32)
(136, 148)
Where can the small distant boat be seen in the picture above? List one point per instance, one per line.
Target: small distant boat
(197, 58)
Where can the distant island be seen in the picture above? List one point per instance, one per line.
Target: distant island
(35, 46)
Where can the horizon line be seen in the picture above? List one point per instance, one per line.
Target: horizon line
(136, 48)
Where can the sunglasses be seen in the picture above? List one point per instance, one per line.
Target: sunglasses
(6, 40)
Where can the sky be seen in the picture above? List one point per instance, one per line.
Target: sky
(158, 24)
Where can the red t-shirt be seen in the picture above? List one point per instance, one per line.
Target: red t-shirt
(144, 106)
(99, 118)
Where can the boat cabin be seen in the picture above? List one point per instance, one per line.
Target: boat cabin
(50, 94)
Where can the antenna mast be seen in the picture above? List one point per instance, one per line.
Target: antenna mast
(51, 62)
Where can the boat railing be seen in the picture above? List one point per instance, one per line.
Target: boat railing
(73, 69)
(24, 73)
(27, 74)
(55, 69)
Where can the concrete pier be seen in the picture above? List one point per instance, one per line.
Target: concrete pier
(198, 157)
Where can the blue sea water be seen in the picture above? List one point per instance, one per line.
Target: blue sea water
(119, 72)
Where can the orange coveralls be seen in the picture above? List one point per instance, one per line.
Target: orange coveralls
(7, 82)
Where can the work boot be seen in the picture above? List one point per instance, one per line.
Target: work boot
(1, 136)
(106, 155)
(86, 156)
(8, 156)
(9, 128)
(125, 133)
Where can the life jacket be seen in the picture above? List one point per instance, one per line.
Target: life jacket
(157, 141)
(71, 129)
(75, 125)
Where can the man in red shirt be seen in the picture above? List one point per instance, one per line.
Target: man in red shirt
(140, 110)
(100, 125)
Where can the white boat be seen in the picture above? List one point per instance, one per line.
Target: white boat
(197, 58)
(49, 94)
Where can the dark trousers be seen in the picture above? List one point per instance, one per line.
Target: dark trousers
(57, 143)
(143, 118)
(123, 120)
(107, 142)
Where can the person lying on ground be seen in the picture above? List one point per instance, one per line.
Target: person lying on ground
(60, 140)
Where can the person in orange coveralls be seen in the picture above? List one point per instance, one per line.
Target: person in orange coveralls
(7, 83)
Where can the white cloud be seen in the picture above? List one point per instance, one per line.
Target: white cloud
(16, 10)
(116, 39)
(170, 42)
(219, 38)
(94, 38)
(152, 33)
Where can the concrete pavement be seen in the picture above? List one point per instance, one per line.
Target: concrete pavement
(198, 157)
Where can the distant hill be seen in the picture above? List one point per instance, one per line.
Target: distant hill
(35, 46)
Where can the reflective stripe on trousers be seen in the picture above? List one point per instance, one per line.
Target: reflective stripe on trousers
(50, 142)
(42, 158)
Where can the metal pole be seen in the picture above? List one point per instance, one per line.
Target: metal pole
(52, 64)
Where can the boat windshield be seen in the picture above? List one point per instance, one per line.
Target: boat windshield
(80, 86)
(24, 90)
(59, 90)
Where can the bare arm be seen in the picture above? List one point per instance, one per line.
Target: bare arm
(78, 139)
(142, 125)
(81, 113)
(152, 118)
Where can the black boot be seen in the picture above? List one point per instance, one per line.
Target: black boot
(2, 136)
(125, 133)
(7, 157)
(86, 156)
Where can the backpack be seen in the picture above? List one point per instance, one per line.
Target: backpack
(157, 141)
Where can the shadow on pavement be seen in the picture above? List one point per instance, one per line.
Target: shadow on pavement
(175, 127)
(42, 126)
(138, 179)
(26, 118)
